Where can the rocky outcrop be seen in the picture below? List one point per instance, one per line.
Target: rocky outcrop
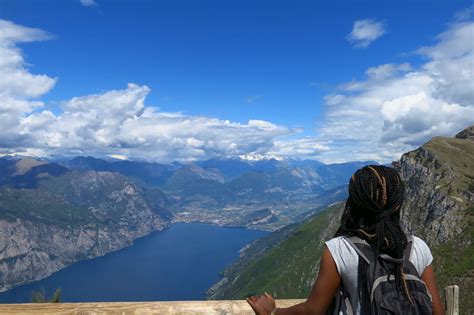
(429, 210)
(439, 177)
(467, 133)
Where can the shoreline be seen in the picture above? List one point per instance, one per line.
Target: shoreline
(137, 241)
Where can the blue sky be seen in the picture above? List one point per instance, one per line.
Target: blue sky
(272, 61)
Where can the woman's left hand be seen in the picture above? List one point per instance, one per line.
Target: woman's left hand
(262, 304)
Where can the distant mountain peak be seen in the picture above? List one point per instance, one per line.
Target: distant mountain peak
(196, 171)
(23, 166)
(259, 157)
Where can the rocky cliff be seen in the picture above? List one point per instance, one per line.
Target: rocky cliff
(439, 206)
(70, 217)
(438, 178)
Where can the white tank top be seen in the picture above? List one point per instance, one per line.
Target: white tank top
(347, 260)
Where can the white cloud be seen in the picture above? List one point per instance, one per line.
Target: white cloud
(253, 98)
(11, 33)
(465, 14)
(16, 81)
(18, 87)
(88, 3)
(387, 70)
(114, 123)
(308, 147)
(451, 64)
(118, 157)
(396, 108)
(364, 32)
(119, 123)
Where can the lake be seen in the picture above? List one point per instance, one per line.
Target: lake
(179, 263)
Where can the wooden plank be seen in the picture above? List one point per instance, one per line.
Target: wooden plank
(174, 307)
(126, 308)
(452, 299)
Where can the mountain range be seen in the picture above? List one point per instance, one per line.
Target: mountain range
(54, 213)
(225, 190)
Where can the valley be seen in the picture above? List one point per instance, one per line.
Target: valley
(57, 212)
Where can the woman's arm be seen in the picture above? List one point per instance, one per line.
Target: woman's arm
(319, 299)
(429, 278)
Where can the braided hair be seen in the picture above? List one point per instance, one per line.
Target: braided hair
(372, 212)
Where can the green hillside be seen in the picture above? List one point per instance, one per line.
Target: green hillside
(454, 264)
(288, 269)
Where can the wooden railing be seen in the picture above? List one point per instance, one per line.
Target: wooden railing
(187, 307)
(451, 294)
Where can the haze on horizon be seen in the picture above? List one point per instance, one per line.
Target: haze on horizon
(181, 81)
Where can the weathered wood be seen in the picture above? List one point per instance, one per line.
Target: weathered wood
(126, 308)
(452, 299)
(175, 307)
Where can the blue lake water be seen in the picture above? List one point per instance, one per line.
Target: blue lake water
(179, 263)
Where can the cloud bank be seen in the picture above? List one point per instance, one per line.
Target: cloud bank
(397, 108)
(394, 109)
(119, 122)
(19, 89)
(116, 122)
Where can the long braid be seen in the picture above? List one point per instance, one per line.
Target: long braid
(372, 212)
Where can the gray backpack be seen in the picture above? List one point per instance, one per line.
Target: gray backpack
(384, 296)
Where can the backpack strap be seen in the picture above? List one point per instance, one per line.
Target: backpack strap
(407, 251)
(354, 241)
(341, 303)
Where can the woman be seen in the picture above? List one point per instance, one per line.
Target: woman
(372, 213)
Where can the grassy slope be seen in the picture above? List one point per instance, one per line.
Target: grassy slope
(285, 270)
(458, 153)
(454, 264)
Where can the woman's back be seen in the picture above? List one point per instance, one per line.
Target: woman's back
(347, 260)
(372, 215)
